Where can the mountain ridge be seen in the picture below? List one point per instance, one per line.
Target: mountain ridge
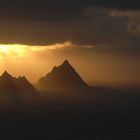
(10, 83)
(63, 75)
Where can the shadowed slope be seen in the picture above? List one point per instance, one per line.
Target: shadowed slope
(62, 76)
(9, 83)
(16, 92)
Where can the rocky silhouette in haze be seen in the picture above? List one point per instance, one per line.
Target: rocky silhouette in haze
(62, 76)
(10, 83)
(16, 92)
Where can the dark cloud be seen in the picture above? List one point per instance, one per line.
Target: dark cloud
(54, 10)
(42, 10)
(119, 4)
(93, 22)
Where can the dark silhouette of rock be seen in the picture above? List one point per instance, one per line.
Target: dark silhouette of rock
(6, 75)
(16, 93)
(62, 76)
(9, 83)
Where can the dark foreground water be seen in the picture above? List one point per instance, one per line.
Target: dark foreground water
(83, 115)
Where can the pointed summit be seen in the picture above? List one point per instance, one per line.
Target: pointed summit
(62, 76)
(6, 75)
(16, 92)
(66, 66)
(66, 62)
(10, 83)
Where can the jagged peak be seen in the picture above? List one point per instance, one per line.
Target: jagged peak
(64, 65)
(22, 78)
(63, 75)
(66, 62)
(6, 74)
(54, 68)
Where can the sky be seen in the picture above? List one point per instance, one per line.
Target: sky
(100, 38)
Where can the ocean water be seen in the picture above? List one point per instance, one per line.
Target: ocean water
(99, 114)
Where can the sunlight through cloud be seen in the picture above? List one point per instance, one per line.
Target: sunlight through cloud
(17, 50)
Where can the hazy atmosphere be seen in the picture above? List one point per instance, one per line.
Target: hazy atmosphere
(100, 38)
(69, 69)
(95, 66)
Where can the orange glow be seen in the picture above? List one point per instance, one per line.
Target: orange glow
(12, 51)
(18, 50)
(36, 61)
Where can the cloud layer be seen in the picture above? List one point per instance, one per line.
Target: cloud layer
(114, 25)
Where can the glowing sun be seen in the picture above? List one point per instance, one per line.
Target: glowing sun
(12, 51)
